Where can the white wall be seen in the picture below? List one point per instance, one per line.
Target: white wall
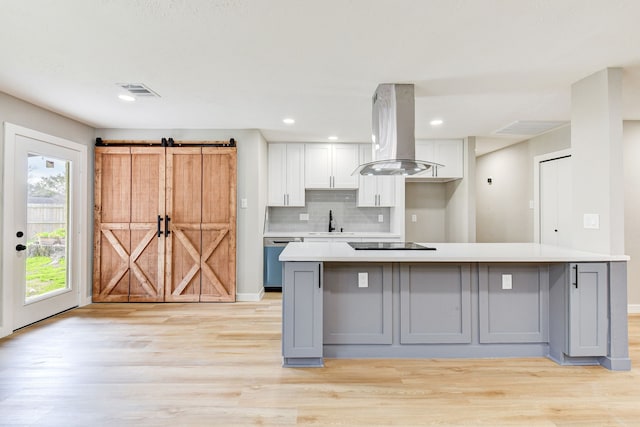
(631, 138)
(21, 113)
(597, 166)
(252, 181)
(503, 213)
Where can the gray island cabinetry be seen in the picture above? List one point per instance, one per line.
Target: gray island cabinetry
(459, 301)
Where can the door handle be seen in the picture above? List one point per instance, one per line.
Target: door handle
(166, 225)
(20, 247)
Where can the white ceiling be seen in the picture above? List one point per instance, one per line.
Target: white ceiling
(224, 64)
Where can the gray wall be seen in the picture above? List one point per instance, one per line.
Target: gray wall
(21, 113)
(502, 207)
(427, 201)
(252, 178)
(445, 211)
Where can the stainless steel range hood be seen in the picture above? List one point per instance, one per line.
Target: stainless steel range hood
(393, 139)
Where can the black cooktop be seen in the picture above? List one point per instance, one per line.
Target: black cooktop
(389, 246)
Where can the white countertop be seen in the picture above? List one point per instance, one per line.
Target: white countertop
(445, 252)
(333, 234)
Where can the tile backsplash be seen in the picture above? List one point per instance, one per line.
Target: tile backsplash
(346, 214)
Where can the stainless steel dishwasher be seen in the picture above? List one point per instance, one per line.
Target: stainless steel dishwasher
(273, 246)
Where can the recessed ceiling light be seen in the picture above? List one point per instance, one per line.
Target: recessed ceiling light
(127, 98)
(333, 138)
(288, 121)
(435, 122)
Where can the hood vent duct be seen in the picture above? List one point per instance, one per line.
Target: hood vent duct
(393, 138)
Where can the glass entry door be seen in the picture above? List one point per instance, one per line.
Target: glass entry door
(44, 229)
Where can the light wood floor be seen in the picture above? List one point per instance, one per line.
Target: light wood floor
(219, 364)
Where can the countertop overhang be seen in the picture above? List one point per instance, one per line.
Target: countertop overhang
(445, 252)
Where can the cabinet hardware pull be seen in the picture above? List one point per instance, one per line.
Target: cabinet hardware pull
(319, 276)
(575, 267)
(166, 225)
(159, 231)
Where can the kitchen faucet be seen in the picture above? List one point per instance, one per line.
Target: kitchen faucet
(332, 225)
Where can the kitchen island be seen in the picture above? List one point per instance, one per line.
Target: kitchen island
(457, 301)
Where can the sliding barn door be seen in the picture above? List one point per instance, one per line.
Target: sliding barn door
(129, 201)
(218, 256)
(201, 246)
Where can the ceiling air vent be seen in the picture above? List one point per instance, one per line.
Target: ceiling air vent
(138, 90)
(528, 127)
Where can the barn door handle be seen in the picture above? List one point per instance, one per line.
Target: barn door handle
(159, 222)
(166, 225)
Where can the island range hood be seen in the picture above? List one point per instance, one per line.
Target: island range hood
(393, 138)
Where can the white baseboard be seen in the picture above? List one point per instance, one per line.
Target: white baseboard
(253, 297)
(633, 309)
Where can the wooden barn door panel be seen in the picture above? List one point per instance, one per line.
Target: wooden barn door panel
(218, 224)
(184, 208)
(112, 215)
(147, 203)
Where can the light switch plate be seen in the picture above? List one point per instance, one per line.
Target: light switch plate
(363, 280)
(507, 281)
(244, 204)
(414, 218)
(380, 218)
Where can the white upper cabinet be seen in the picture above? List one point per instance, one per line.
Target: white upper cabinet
(330, 166)
(286, 174)
(447, 152)
(375, 190)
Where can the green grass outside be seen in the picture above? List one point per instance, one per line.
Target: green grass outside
(44, 275)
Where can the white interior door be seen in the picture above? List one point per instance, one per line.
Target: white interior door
(42, 226)
(555, 201)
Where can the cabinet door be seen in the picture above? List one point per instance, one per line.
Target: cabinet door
(295, 175)
(317, 166)
(513, 303)
(435, 303)
(277, 174)
(355, 314)
(425, 150)
(368, 185)
(302, 313)
(449, 153)
(588, 324)
(345, 159)
(386, 186)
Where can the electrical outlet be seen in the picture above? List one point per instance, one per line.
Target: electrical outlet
(304, 217)
(243, 203)
(507, 281)
(592, 221)
(363, 280)
(380, 218)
